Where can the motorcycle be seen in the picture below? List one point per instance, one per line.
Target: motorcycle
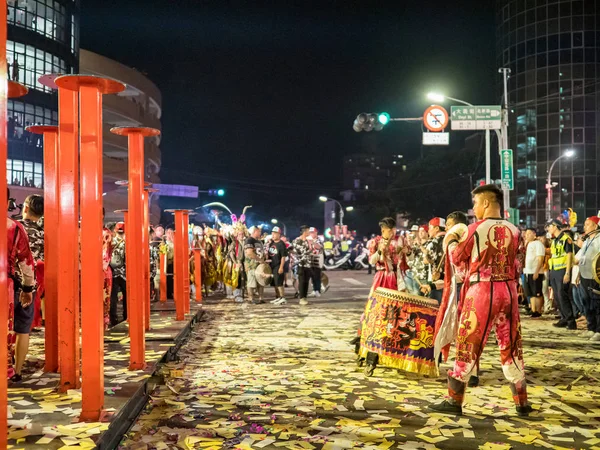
(341, 262)
(362, 260)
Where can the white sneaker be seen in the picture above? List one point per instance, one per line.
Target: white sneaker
(274, 302)
(303, 302)
(587, 334)
(317, 294)
(280, 301)
(595, 337)
(313, 294)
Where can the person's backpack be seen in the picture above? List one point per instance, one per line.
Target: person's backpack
(117, 259)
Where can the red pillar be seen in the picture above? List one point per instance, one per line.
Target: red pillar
(163, 278)
(51, 250)
(186, 246)
(198, 274)
(180, 261)
(134, 231)
(68, 239)
(91, 89)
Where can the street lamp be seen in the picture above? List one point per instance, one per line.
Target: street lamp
(549, 185)
(440, 98)
(326, 199)
(275, 222)
(349, 208)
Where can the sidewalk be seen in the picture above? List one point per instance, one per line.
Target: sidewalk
(39, 417)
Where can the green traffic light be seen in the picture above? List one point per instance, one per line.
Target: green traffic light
(383, 118)
(221, 192)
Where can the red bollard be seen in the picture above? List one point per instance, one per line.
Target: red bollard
(146, 249)
(68, 239)
(134, 241)
(90, 90)
(198, 274)
(163, 278)
(50, 243)
(180, 261)
(186, 295)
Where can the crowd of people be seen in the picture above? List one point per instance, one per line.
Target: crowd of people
(481, 272)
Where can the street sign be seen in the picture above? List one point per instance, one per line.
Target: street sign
(476, 117)
(508, 176)
(436, 138)
(435, 118)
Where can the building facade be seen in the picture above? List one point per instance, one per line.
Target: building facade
(369, 172)
(553, 50)
(43, 38)
(138, 106)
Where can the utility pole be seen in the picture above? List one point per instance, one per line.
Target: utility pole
(503, 142)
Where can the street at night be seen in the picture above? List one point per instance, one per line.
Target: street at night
(285, 377)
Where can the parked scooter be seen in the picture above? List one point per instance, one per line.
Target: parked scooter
(343, 262)
(362, 260)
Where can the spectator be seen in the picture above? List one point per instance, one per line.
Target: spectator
(533, 275)
(590, 248)
(33, 210)
(118, 266)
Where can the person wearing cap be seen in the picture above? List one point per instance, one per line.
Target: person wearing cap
(561, 259)
(303, 254)
(318, 258)
(491, 248)
(277, 253)
(434, 258)
(590, 248)
(254, 256)
(118, 266)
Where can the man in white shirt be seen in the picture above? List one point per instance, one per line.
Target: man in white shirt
(534, 263)
(590, 247)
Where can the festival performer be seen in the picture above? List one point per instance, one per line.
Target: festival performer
(492, 250)
(383, 255)
(447, 319)
(107, 248)
(236, 255)
(254, 255)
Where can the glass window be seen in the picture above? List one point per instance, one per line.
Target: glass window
(27, 64)
(46, 17)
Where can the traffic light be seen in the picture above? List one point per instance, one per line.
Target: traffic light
(369, 121)
(217, 192)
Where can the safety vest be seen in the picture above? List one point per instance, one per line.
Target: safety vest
(558, 258)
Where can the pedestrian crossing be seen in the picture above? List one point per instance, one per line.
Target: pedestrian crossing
(354, 282)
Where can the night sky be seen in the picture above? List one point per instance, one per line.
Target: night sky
(260, 100)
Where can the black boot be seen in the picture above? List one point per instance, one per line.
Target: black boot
(447, 407)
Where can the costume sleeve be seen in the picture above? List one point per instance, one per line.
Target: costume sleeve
(462, 252)
(24, 257)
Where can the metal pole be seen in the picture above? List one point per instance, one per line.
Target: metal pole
(488, 169)
(50, 133)
(68, 238)
(549, 189)
(504, 132)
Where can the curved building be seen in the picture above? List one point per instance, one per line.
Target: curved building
(553, 50)
(138, 106)
(43, 37)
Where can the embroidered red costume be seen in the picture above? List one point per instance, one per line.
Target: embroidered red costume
(384, 256)
(491, 251)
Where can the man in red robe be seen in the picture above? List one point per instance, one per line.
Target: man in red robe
(492, 251)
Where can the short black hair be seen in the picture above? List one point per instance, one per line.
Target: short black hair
(490, 189)
(303, 228)
(387, 222)
(36, 204)
(531, 229)
(458, 217)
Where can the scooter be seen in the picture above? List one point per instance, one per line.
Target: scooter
(362, 260)
(340, 263)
